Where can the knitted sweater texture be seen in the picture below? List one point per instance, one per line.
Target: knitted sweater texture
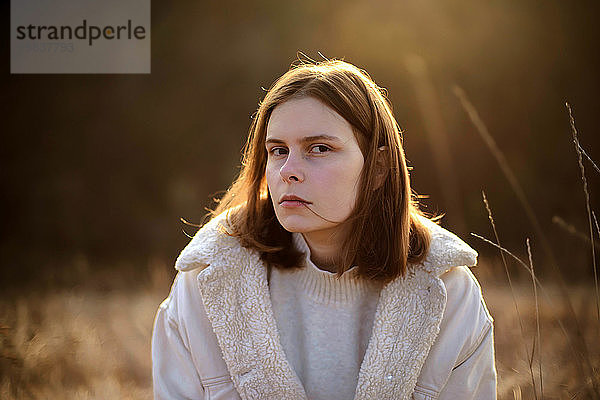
(324, 324)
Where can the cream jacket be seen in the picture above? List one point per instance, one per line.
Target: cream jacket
(215, 336)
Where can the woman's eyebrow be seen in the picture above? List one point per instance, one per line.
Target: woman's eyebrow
(307, 139)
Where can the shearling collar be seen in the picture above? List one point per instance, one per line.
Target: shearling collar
(234, 290)
(446, 250)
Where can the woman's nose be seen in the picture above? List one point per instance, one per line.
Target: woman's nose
(291, 170)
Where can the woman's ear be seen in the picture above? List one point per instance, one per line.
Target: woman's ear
(381, 166)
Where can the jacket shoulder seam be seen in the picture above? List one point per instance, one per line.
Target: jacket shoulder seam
(477, 344)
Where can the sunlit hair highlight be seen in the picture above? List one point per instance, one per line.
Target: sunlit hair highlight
(386, 231)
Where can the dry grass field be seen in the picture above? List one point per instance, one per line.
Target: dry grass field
(94, 342)
(570, 349)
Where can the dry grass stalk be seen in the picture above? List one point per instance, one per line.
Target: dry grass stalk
(510, 176)
(587, 203)
(517, 393)
(588, 157)
(516, 187)
(491, 143)
(512, 290)
(537, 321)
(590, 379)
(573, 231)
(596, 222)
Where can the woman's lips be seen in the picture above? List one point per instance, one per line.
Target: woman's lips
(292, 203)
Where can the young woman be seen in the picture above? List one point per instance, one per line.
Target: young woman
(318, 277)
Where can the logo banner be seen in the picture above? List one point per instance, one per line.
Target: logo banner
(80, 36)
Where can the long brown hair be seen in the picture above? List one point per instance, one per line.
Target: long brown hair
(386, 231)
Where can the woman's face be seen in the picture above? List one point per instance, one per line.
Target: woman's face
(313, 163)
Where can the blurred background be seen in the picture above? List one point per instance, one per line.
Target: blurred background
(103, 166)
(97, 170)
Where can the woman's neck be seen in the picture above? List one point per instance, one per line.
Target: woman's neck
(324, 250)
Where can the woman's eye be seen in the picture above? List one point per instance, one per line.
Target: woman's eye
(278, 151)
(320, 148)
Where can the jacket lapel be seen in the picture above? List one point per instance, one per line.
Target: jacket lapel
(406, 324)
(237, 302)
(408, 318)
(236, 297)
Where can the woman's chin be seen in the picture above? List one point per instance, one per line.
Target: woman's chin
(297, 223)
(296, 228)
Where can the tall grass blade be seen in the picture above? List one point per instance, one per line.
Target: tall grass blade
(510, 176)
(583, 353)
(587, 203)
(596, 223)
(512, 290)
(573, 231)
(491, 143)
(537, 319)
(588, 157)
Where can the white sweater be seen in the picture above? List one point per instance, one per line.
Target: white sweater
(324, 323)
